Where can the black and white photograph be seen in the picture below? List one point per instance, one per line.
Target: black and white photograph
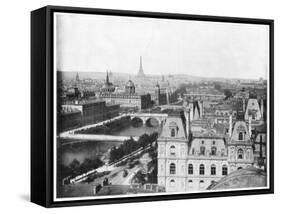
(149, 106)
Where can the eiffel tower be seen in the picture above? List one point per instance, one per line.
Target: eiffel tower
(141, 73)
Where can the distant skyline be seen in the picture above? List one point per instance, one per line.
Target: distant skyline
(96, 43)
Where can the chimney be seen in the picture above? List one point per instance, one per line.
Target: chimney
(230, 126)
(191, 111)
(250, 125)
(187, 122)
(201, 108)
(167, 95)
(262, 108)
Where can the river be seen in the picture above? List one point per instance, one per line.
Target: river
(80, 150)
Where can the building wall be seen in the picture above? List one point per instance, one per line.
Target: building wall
(176, 153)
(128, 100)
(69, 120)
(89, 113)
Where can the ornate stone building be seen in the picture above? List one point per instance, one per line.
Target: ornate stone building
(127, 99)
(190, 161)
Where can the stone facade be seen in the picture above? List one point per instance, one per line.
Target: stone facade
(83, 112)
(190, 162)
(127, 99)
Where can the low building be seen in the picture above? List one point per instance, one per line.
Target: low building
(86, 111)
(127, 99)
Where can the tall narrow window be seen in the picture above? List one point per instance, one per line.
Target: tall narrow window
(213, 150)
(202, 150)
(190, 169)
(172, 150)
(240, 153)
(240, 136)
(173, 132)
(202, 169)
(224, 170)
(172, 168)
(213, 169)
(193, 151)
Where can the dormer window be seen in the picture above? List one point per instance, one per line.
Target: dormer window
(213, 150)
(202, 150)
(240, 136)
(173, 132)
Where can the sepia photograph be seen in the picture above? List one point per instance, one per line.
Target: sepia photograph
(149, 106)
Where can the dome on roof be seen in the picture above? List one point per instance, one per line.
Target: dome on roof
(243, 178)
(130, 84)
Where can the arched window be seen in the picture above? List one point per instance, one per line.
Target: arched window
(240, 136)
(213, 169)
(172, 183)
(201, 169)
(172, 150)
(202, 150)
(190, 169)
(213, 150)
(172, 168)
(224, 170)
(240, 153)
(173, 132)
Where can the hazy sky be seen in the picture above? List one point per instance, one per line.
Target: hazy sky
(208, 49)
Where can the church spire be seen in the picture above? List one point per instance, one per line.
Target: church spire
(107, 77)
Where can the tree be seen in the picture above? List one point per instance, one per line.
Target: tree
(227, 93)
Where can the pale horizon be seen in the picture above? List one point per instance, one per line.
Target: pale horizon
(96, 43)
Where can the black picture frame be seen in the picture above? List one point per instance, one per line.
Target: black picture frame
(42, 105)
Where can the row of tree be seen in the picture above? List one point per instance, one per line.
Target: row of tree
(76, 168)
(130, 145)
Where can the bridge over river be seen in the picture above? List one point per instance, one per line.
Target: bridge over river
(71, 134)
(96, 137)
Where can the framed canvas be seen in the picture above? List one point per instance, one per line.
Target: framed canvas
(130, 106)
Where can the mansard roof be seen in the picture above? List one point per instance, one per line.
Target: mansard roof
(175, 122)
(240, 126)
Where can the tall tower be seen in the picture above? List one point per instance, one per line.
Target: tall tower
(77, 78)
(141, 73)
(107, 78)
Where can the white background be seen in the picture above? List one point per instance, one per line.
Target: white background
(15, 105)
